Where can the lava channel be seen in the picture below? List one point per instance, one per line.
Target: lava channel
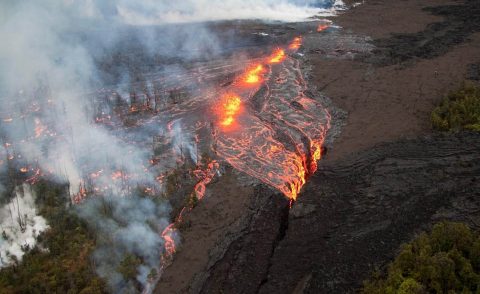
(278, 138)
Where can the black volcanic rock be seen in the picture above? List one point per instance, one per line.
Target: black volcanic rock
(352, 217)
(473, 72)
(460, 22)
(244, 267)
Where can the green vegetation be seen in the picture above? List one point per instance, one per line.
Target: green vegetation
(128, 266)
(192, 200)
(445, 261)
(60, 263)
(458, 110)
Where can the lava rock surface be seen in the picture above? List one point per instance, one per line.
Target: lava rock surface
(460, 22)
(352, 217)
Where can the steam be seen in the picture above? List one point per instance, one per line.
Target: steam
(152, 12)
(19, 225)
(126, 226)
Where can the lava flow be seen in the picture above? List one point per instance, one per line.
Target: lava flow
(229, 109)
(322, 27)
(280, 134)
(254, 74)
(277, 56)
(295, 45)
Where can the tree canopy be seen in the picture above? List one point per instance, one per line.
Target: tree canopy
(445, 261)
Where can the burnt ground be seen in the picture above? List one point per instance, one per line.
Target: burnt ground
(385, 177)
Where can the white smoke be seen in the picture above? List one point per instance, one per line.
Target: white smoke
(134, 226)
(152, 12)
(20, 224)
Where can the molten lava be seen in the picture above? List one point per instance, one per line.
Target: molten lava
(295, 45)
(230, 107)
(322, 27)
(277, 56)
(254, 74)
(204, 176)
(281, 136)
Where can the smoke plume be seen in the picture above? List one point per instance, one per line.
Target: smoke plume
(19, 225)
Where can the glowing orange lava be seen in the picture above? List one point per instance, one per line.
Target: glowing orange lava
(204, 177)
(39, 128)
(285, 111)
(322, 27)
(253, 74)
(277, 56)
(230, 107)
(295, 45)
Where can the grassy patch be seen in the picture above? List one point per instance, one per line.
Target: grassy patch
(445, 261)
(458, 110)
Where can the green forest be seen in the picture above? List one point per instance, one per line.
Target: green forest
(60, 262)
(447, 260)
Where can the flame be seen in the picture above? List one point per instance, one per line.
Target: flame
(322, 27)
(230, 107)
(169, 244)
(81, 195)
(205, 177)
(96, 174)
(39, 128)
(117, 175)
(277, 56)
(253, 74)
(34, 178)
(296, 43)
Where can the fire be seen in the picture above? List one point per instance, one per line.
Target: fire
(230, 107)
(96, 174)
(277, 56)
(253, 74)
(81, 195)
(39, 128)
(205, 177)
(169, 244)
(296, 43)
(34, 178)
(117, 175)
(322, 27)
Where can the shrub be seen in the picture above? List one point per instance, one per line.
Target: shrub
(65, 266)
(445, 261)
(458, 110)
